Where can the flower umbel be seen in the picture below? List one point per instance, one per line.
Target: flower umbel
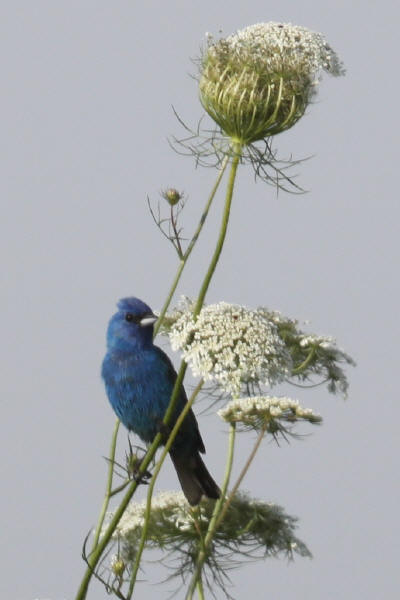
(258, 82)
(251, 529)
(242, 350)
(232, 345)
(168, 509)
(266, 412)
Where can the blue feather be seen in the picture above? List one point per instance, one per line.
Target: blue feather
(139, 379)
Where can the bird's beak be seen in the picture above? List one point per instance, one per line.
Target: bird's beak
(149, 319)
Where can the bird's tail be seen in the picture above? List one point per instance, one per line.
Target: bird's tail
(194, 478)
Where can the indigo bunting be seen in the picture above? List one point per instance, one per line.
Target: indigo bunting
(139, 379)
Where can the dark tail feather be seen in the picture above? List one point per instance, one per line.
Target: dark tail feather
(194, 478)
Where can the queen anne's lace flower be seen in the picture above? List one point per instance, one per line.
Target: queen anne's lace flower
(232, 345)
(283, 46)
(259, 81)
(262, 411)
(235, 346)
(249, 527)
(173, 507)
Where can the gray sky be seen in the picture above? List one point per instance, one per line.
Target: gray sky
(87, 89)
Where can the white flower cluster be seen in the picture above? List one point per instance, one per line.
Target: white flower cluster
(172, 505)
(260, 410)
(232, 345)
(327, 343)
(283, 43)
(117, 565)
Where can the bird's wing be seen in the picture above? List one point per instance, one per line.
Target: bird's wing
(189, 426)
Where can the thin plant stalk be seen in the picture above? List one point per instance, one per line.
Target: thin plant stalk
(236, 148)
(108, 493)
(184, 258)
(160, 462)
(196, 577)
(95, 556)
(227, 476)
(241, 475)
(219, 515)
(200, 589)
(178, 246)
(198, 306)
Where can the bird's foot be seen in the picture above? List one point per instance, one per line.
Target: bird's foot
(133, 464)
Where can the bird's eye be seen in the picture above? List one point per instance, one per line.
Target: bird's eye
(129, 317)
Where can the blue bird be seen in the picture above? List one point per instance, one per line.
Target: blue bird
(139, 379)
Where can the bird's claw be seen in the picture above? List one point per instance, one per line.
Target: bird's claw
(133, 464)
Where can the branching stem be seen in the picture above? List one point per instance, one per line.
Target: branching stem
(109, 491)
(176, 234)
(97, 552)
(190, 247)
(196, 577)
(157, 469)
(241, 475)
(222, 506)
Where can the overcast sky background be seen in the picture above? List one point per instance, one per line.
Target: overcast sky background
(87, 90)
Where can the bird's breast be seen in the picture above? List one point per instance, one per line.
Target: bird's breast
(138, 392)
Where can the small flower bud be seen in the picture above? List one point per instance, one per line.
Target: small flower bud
(117, 566)
(172, 196)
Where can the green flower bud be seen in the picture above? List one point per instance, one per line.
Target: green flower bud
(172, 196)
(259, 81)
(117, 566)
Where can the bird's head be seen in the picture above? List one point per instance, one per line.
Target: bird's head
(131, 326)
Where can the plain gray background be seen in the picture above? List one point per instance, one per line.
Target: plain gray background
(87, 89)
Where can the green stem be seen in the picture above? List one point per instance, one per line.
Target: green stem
(228, 470)
(119, 488)
(214, 521)
(160, 462)
(108, 493)
(200, 589)
(224, 226)
(178, 246)
(190, 247)
(170, 296)
(198, 306)
(241, 476)
(305, 362)
(221, 508)
(95, 556)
